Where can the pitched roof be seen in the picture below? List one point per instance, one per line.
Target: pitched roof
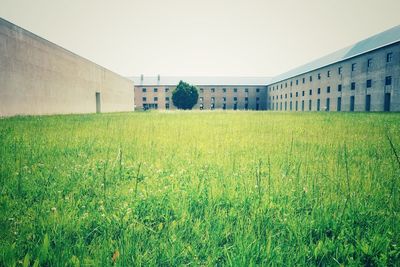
(379, 40)
(200, 81)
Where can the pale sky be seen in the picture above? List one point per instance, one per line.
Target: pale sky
(203, 37)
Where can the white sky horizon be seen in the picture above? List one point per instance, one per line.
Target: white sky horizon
(247, 38)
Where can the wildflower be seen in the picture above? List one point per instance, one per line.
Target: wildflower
(54, 209)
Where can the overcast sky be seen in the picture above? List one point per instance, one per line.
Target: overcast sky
(202, 37)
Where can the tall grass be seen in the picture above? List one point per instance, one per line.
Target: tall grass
(200, 188)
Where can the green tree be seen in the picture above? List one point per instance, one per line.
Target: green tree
(185, 96)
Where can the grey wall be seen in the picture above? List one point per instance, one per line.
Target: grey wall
(283, 92)
(39, 77)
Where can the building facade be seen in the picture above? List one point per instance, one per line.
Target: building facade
(363, 77)
(38, 77)
(230, 93)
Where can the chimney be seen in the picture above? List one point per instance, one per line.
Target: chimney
(141, 78)
(158, 78)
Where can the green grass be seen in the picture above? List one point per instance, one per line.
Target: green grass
(200, 188)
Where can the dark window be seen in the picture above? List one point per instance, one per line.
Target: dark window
(328, 89)
(302, 93)
(235, 90)
(155, 90)
(388, 80)
(339, 104)
(212, 99)
(285, 96)
(369, 62)
(319, 90)
(258, 90)
(290, 105)
(369, 83)
(144, 90)
(285, 85)
(257, 99)
(166, 105)
(304, 80)
(319, 76)
(368, 103)
(353, 86)
(144, 99)
(328, 103)
(290, 95)
(297, 82)
(352, 103)
(353, 67)
(310, 91)
(309, 104)
(246, 99)
(224, 90)
(340, 70)
(224, 106)
(389, 57)
(291, 83)
(339, 87)
(302, 105)
(386, 103)
(201, 90)
(155, 99)
(297, 105)
(297, 94)
(167, 98)
(224, 99)
(246, 90)
(318, 104)
(328, 73)
(310, 78)
(166, 90)
(212, 90)
(235, 98)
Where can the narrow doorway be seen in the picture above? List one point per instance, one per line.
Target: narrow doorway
(98, 103)
(387, 102)
(368, 103)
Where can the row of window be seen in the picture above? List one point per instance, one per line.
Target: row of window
(155, 90)
(284, 105)
(235, 90)
(388, 81)
(235, 99)
(235, 106)
(369, 63)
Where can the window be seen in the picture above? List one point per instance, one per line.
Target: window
(144, 90)
(224, 106)
(304, 80)
(309, 104)
(285, 85)
(302, 93)
(144, 99)
(352, 103)
(224, 99)
(235, 90)
(258, 90)
(339, 87)
(212, 99)
(310, 91)
(257, 99)
(319, 76)
(369, 83)
(166, 90)
(353, 86)
(318, 104)
(353, 67)
(328, 89)
(310, 78)
(297, 94)
(291, 95)
(155, 99)
(201, 90)
(246, 99)
(319, 90)
(281, 86)
(224, 90)
(167, 98)
(297, 82)
(285, 96)
(328, 73)
(339, 104)
(389, 57)
(201, 99)
(369, 63)
(212, 90)
(155, 90)
(340, 70)
(291, 83)
(388, 80)
(235, 98)
(166, 105)
(246, 90)
(302, 105)
(328, 103)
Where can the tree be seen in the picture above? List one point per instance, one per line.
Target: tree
(185, 96)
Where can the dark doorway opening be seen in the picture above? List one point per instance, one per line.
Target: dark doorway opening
(98, 102)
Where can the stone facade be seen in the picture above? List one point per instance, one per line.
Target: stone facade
(234, 97)
(366, 82)
(39, 77)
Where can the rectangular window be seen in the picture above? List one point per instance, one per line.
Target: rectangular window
(155, 99)
(328, 89)
(290, 105)
(235, 90)
(155, 90)
(318, 104)
(369, 62)
(368, 103)
(144, 99)
(339, 104)
(212, 90)
(340, 70)
(310, 78)
(224, 99)
(166, 105)
(389, 57)
(144, 90)
(257, 99)
(297, 105)
(304, 80)
(302, 93)
(285, 96)
(297, 94)
(246, 99)
(353, 86)
(166, 90)
(235, 98)
(388, 80)
(201, 90)
(297, 82)
(328, 104)
(386, 103)
(369, 83)
(319, 76)
(309, 104)
(328, 73)
(212, 99)
(319, 90)
(291, 83)
(291, 95)
(285, 85)
(352, 103)
(353, 67)
(339, 87)
(310, 91)
(224, 106)
(167, 98)
(258, 90)
(285, 105)
(302, 105)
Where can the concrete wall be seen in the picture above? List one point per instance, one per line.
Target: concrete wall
(39, 77)
(256, 97)
(282, 93)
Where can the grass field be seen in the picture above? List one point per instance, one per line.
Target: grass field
(200, 188)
